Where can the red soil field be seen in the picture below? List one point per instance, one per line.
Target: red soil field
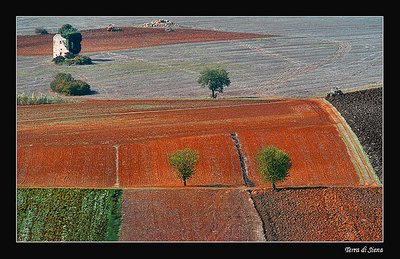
(318, 157)
(146, 164)
(299, 126)
(130, 37)
(323, 214)
(77, 166)
(177, 214)
(98, 126)
(93, 107)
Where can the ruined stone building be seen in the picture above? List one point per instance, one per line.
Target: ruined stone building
(59, 45)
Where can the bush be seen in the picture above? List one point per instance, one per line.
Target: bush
(23, 99)
(77, 87)
(58, 60)
(71, 60)
(79, 60)
(41, 31)
(69, 55)
(66, 84)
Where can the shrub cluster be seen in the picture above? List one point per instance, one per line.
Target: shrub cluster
(71, 59)
(65, 84)
(41, 31)
(23, 99)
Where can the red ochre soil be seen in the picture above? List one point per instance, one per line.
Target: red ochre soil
(140, 135)
(318, 158)
(324, 214)
(218, 164)
(66, 166)
(181, 214)
(95, 40)
(125, 143)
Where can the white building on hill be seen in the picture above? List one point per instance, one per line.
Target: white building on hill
(59, 46)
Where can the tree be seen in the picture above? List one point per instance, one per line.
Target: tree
(73, 37)
(214, 79)
(184, 162)
(273, 164)
(64, 83)
(66, 29)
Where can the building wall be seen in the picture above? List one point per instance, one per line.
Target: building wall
(59, 46)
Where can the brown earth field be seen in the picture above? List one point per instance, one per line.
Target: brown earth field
(329, 195)
(96, 40)
(321, 214)
(174, 214)
(125, 143)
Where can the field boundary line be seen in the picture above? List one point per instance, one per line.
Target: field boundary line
(357, 145)
(116, 146)
(260, 225)
(351, 149)
(351, 140)
(351, 152)
(242, 160)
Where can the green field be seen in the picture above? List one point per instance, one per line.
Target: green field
(58, 214)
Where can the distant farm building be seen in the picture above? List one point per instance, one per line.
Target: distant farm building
(59, 46)
(62, 46)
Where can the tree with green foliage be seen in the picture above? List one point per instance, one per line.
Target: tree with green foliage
(184, 162)
(73, 37)
(273, 165)
(64, 83)
(214, 79)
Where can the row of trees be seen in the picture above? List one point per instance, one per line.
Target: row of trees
(273, 164)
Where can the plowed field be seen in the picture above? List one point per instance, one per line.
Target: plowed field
(95, 40)
(103, 125)
(65, 166)
(126, 143)
(319, 159)
(189, 215)
(323, 214)
(146, 164)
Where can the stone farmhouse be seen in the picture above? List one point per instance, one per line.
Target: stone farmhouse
(59, 46)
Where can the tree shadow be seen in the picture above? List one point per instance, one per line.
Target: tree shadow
(92, 92)
(301, 188)
(102, 60)
(213, 185)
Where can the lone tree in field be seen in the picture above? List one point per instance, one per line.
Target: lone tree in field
(273, 165)
(184, 162)
(214, 79)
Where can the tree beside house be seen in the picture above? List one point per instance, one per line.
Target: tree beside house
(66, 41)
